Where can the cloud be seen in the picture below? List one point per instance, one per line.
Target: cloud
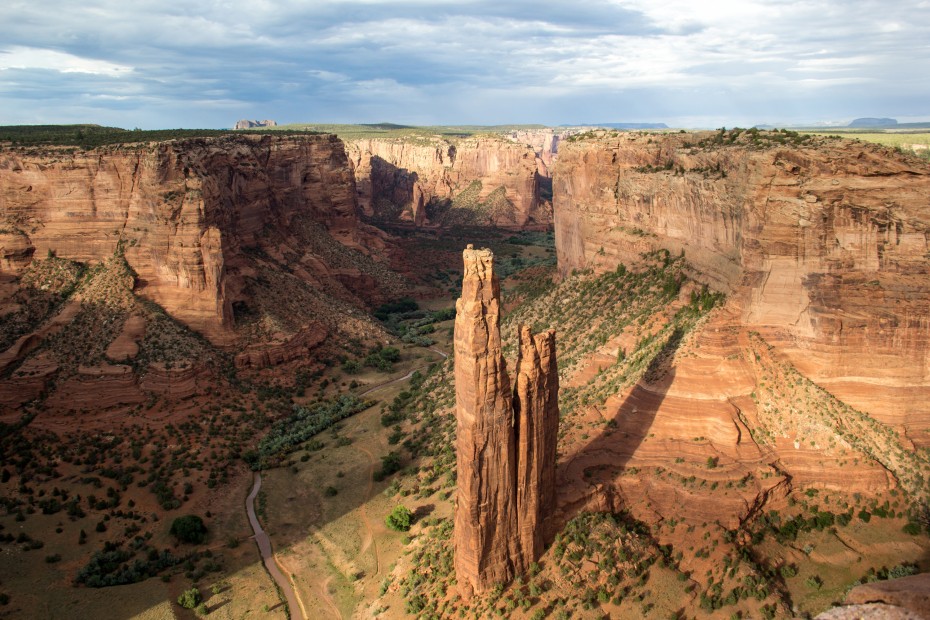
(17, 57)
(479, 61)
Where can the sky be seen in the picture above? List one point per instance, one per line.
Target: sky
(689, 63)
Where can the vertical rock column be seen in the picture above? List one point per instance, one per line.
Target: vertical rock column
(536, 409)
(487, 549)
(506, 441)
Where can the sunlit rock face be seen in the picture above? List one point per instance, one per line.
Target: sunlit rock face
(183, 211)
(823, 246)
(476, 181)
(506, 440)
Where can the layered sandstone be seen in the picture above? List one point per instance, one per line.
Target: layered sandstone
(490, 181)
(536, 417)
(505, 441)
(185, 212)
(911, 593)
(821, 244)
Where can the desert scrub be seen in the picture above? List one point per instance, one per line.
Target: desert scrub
(301, 425)
(44, 285)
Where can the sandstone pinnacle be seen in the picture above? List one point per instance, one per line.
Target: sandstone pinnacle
(505, 440)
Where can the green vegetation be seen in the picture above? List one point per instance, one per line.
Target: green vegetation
(92, 136)
(190, 599)
(399, 519)
(111, 567)
(424, 134)
(913, 142)
(189, 529)
(301, 425)
(588, 310)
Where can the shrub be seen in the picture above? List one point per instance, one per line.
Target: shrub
(189, 599)
(911, 528)
(330, 492)
(189, 529)
(390, 464)
(399, 519)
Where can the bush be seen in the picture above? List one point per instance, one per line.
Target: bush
(399, 519)
(189, 599)
(911, 528)
(189, 529)
(330, 492)
(390, 464)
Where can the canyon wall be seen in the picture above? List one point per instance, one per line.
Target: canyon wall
(505, 441)
(821, 244)
(476, 181)
(184, 212)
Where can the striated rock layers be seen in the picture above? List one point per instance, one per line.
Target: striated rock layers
(477, 181)
(506, 440)
(821, 244)
(185, 212)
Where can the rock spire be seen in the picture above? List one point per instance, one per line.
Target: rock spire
(506, 440)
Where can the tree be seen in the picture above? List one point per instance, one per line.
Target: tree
(399, 519)
(189, 598)
(189, 529)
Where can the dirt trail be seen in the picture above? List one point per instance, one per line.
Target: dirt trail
(264, 547)
(324, 591)
(404, 378)
(369, 540)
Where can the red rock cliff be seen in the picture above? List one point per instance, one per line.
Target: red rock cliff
(535, 402)
(183, 210)
(822, 244)
(505, 442)
(482, 181)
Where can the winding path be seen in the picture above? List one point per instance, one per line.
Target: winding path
(264, 547)
(294, 604)
(404, 378)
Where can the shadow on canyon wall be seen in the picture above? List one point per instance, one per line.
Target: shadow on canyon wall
(586, 476)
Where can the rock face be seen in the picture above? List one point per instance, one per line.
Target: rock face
(536, 417)
(505, 441)
(183, 211)
(912, 593)
(478, 181)
(821, 244)
(247, 124)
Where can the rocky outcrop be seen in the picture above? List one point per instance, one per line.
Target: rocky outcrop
(275, 354)
(247, 124)
(186, 213)
(822, 245)
(505, 440)
(478, 181)
(911, 593)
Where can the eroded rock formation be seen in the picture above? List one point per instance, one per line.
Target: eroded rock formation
(821, 244)
(480, 181)
(249, 124)
(186, 214)
(505, 440)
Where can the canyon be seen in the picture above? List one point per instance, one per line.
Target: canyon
(743, 342)
(485, 181)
